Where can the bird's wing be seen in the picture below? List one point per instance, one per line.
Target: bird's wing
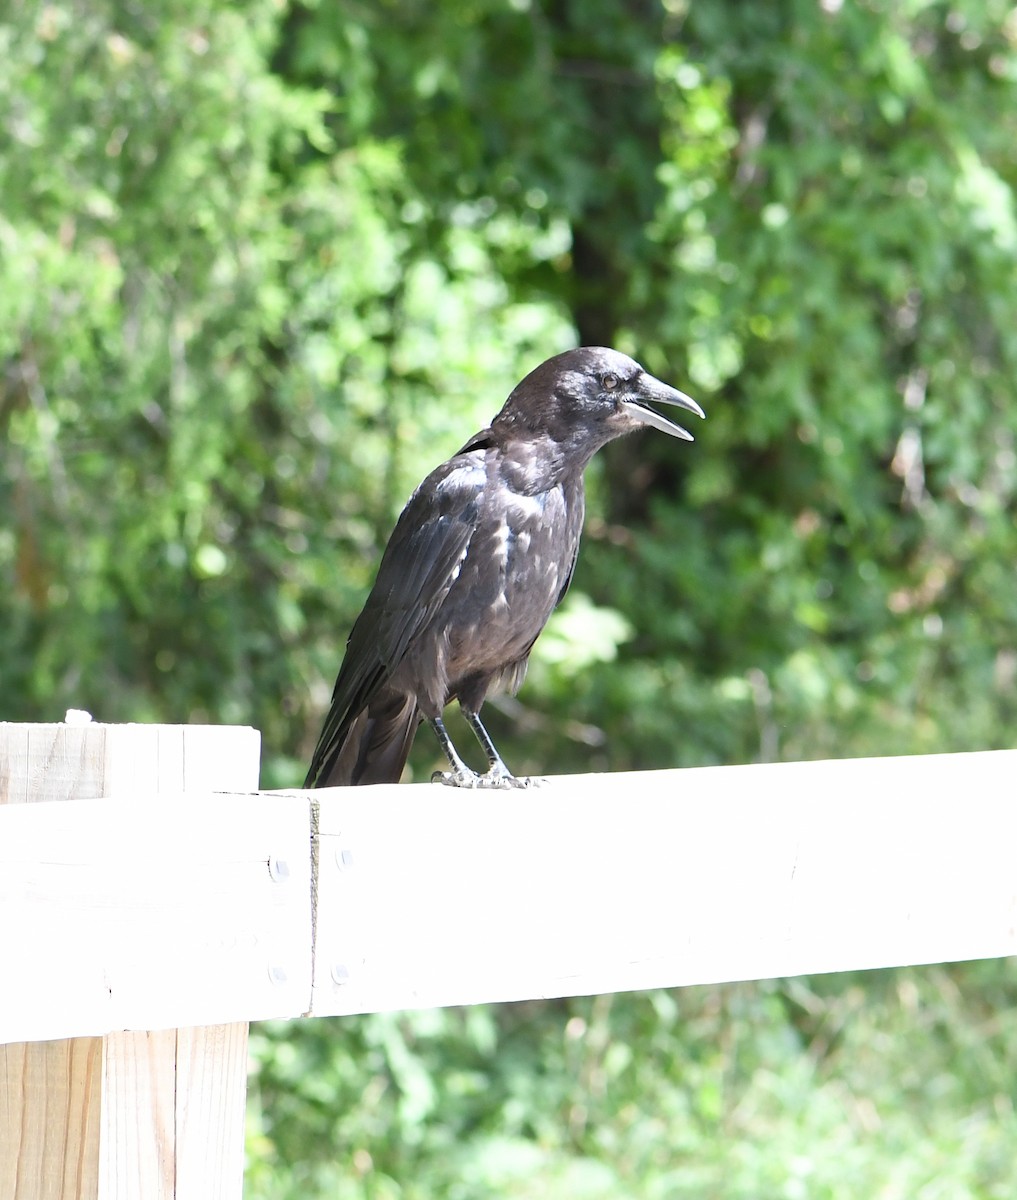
(421, 562)
(422, 558)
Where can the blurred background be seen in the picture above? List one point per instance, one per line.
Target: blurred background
(264, 264)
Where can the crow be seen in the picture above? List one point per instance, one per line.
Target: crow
(483, 552)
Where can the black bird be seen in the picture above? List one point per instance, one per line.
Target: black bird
(479, 558)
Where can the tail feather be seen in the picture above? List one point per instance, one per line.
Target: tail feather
(370, 747)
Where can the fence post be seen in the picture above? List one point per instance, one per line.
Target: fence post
(158, 1114)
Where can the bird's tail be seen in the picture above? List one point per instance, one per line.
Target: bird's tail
(369, 747)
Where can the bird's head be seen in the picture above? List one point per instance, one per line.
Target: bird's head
(587, 397)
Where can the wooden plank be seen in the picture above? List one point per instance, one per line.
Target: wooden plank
(133, 764)
(43, 762)
(131, 914)
(173, 1107)
(211, 1103)
(138, 1139)
(50, 762)
(206, 766)
(427, 896)
(14, 768)
(49, 1120)
(67, 1130)
(151, 760)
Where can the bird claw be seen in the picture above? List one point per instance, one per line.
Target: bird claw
(455, 778)
(493, 780)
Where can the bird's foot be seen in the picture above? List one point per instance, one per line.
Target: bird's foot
(495, 779)
(464, 778)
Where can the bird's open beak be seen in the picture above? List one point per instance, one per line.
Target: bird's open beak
(647, 389)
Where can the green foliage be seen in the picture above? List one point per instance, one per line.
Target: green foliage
(887, 1084)
(263, 264)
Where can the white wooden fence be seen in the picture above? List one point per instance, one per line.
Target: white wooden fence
(145, 924)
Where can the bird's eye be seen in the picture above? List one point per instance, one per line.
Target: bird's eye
(610, 382)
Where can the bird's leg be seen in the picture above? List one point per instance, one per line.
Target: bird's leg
(460, 775)
(496, 769)
(498, 775)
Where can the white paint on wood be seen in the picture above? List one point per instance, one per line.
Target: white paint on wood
(163, 911)
(132, 914)
(130, 1114)
(428, 896)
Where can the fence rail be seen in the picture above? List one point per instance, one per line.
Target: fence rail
(172, 896)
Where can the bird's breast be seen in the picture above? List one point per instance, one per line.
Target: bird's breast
(518, 561)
